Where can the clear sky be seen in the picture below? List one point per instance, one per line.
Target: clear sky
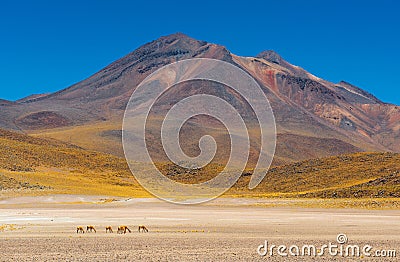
(48, 45)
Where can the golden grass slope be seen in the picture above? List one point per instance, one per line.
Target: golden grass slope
(30, 165)
(98, 136)
(58, 167)
(358, 175)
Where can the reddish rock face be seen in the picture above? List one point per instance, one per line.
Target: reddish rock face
(43, 120)
(310, 112)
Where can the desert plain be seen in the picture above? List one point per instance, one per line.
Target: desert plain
(43, 228)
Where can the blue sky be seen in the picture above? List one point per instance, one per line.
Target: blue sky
(48, 45)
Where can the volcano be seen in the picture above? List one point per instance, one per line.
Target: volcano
(314, 117)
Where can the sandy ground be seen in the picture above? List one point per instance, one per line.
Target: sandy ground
(43, 229)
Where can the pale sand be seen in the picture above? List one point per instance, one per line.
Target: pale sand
(222, 230)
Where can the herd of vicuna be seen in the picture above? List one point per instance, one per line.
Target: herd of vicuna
(121, 229)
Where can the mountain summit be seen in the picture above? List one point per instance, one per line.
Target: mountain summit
(314, 117)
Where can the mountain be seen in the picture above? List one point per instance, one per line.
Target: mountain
(314, 117)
